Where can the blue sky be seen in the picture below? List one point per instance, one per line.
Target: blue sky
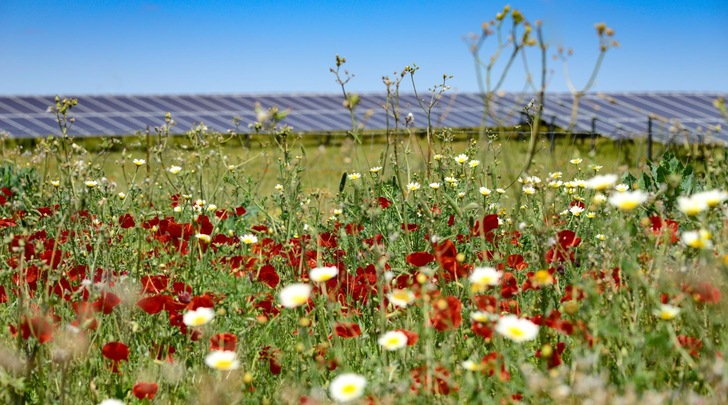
(162, 46)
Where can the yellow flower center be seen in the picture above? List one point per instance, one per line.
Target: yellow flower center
(515, 332)
(223, 364)
(299, 299)
(348, 389)
(543, 277)
(628, 205)
(393, 341)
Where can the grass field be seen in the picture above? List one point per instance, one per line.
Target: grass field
(325, 162)
(198, 270)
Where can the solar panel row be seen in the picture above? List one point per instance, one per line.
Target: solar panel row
(675, 116)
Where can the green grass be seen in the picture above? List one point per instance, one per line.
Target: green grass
(87, 275)
(324, 163)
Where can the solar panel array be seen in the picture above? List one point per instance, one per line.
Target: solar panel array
(676, 117)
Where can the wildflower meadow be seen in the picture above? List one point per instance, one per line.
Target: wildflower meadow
(425, 274)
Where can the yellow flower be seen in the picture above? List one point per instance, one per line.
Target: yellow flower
(697, 239)
(575, 161)
(413, 186)
(555, 183)
(175, 169)
(472, 366)
(203, 237)
(461, 158)
(542, 277)
(621, 187)
(91, 183)
(139, 162)
(712, 197)
(628, 200)
(602, 182)
(249, 239)
(347, 387)
(517, 329)
(323, 274)
(485, 276)
(692, 206)
(401, 298)
(354, 176)
(223, 360)
(485, 191)
(55, 183)
(555, 175)
(480, 316)
(393, 340)
(667, 312)
(295, 295)
(198, 317)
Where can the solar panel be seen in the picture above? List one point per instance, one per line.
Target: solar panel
(619, 115)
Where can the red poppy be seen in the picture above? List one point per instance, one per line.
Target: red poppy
(106, 302)
(126, 221)
(438, 380)
(116, 351)
(446, 313)
(84, 311)
(509, 285)
(515, 261)
(482, 329)
(260, 228)
(160, 353)
(273, 356)
(145, 390)
(486, 227)
(347, 329)
(328, 239)
(692, 344)
(410, 227)
(39, 327)
(552, 354)
(412, 337)
(703, 292)
(561, 251)
(223, 341)
(204, 300)
(154, 284)
(267, 274)
(419, 259)
(384, 203)
(447, 257)
(572, 293)
(205, 226)
(157, 303)
(660, 227)
(491, 361)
